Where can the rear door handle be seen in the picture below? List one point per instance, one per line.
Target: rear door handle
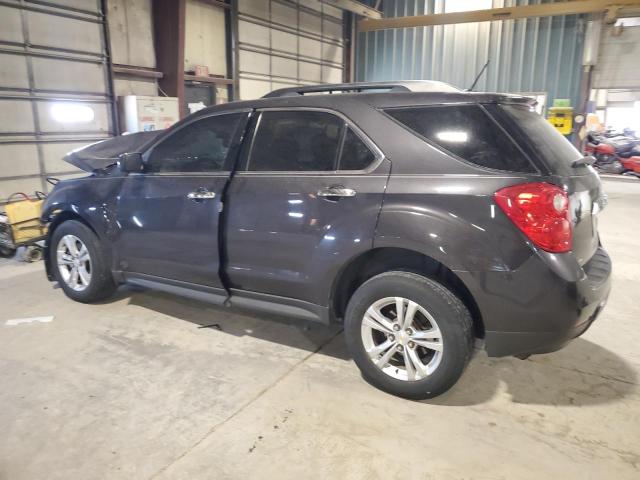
(337, 191)
(201, 194)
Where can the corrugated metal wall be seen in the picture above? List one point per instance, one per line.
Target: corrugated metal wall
(527, 55)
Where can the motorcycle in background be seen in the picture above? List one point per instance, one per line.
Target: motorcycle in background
(615, 153)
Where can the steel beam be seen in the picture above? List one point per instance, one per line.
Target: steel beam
(492, 14)
(169, 34)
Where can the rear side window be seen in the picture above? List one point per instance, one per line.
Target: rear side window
(355, 153)
(466, 131)
(201, 146)
(544, 141)
(295, 141)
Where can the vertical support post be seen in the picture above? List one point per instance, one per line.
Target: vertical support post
(34, 105)
(109, 60)
(233, 51)
(589, 60)
(349, 34)
(169, 32)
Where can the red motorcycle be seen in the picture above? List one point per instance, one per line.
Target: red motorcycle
(632, 164)
(614, 153)
(605, 154)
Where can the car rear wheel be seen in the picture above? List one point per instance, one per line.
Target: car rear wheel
(409, 335)
(80, 263)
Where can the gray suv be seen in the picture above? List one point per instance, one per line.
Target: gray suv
(419, 216)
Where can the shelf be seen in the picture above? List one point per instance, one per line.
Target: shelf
(140, 72)
(209, 79)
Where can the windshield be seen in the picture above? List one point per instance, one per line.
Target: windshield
(543, 140)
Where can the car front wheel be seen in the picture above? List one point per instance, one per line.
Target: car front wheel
(409, 335)
(80, 263)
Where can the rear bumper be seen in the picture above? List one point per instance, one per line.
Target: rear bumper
(501, 344)
(545, 306)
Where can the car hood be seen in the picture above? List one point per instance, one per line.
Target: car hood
(100, 155)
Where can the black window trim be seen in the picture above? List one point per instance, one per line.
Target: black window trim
(347, 123)
(171, 132)
(536, 171)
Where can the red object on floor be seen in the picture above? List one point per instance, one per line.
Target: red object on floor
(631, 163)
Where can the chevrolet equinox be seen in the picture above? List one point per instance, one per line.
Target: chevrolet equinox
(420, 216)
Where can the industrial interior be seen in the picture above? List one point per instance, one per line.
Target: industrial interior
(148, 384)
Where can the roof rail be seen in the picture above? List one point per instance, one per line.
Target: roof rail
(359, 87)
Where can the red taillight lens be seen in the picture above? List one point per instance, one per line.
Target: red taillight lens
(541, 211)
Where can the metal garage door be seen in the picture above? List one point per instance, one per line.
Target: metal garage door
(285, 43)
(617, 65)
(54, 88)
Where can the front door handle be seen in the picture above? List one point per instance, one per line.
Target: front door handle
(337, 191)
(201, 194)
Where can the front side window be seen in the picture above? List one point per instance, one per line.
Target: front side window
(201, 146)
(295, 141)
(466, 131)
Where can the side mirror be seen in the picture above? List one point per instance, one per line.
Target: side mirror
(131, 162)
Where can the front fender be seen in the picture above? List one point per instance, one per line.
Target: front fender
(90, 200)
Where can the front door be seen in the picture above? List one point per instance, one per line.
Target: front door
(168, 216)
(305, 201)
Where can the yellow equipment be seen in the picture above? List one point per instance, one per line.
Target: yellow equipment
(561, 116)
(24, 219)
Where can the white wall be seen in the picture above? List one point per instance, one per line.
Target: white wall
(205, 40)
(131, 35)
(285, 43)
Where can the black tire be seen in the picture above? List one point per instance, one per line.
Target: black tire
(450, 314)
(101, 285)
(7, 252)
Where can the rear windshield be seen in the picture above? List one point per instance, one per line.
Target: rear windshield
(543, 141)
(466, 131)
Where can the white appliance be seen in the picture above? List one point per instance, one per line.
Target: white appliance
(140, 113)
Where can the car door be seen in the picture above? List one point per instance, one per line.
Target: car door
(168, 216)
(295, 215)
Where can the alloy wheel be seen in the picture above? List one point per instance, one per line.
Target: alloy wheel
(74, 262)
(402, 338)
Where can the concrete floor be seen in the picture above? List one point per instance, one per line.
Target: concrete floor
(135, 388)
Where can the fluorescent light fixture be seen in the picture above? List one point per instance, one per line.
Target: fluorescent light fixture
(452, 136)
(68, 112)
(451, 6)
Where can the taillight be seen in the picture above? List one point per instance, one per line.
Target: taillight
(541, 211)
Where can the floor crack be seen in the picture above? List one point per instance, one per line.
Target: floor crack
(599, 375)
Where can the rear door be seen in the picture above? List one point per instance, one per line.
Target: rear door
(543, 143)
(168, 216)
(306, 199)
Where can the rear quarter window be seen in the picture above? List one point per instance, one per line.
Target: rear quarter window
(540, 139)
(466, 131)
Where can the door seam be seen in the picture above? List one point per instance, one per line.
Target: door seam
(222, 219)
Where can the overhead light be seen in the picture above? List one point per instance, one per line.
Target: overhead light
(451, 6)
(68, 112)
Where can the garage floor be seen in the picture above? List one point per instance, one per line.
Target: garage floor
(152, 386)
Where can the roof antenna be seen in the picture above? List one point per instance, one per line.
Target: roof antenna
(470, 89)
